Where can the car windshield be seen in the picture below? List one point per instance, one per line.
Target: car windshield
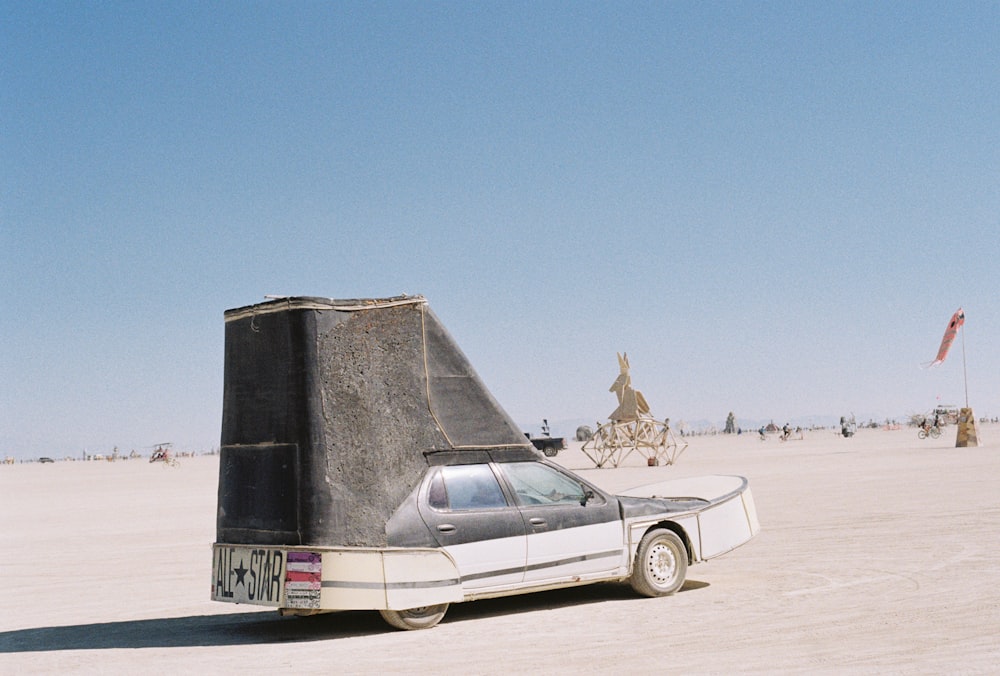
(538, 484)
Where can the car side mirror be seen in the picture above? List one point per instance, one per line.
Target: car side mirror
(587, 496)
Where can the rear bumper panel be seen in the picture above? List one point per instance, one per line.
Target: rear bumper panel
(333, 579)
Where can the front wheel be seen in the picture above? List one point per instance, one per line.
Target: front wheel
(935, 432)
(423, 617)
(660, 564)
(550, 451)
(922, 434)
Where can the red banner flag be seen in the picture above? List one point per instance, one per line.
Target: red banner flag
(957, 320)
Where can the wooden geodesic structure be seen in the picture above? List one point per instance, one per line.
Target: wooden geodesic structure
(631, 428)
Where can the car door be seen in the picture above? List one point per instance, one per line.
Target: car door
(573, 529)
(471, 518)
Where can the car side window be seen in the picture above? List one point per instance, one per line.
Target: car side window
(538, 484)
(465, 487)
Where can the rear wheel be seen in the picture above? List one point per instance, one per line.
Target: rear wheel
(922, 434)
(660, 564)
(423, 617)
(550, 451)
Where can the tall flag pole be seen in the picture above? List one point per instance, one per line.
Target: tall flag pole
(966, 419)
(965, 373)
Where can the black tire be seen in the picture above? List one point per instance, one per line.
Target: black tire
(922, 434)
(423, 617)
(660, 564)
(550, 451)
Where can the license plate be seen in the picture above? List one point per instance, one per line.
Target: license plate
(266, 576)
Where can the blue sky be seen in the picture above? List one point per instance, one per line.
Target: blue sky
(774, 208)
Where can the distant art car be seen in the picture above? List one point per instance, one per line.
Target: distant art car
(364, 466)
(547, 444)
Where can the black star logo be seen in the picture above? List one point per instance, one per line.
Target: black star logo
(240, 573)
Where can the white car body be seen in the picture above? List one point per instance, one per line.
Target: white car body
(396, 578)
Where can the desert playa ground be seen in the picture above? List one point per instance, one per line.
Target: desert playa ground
(878, 553)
